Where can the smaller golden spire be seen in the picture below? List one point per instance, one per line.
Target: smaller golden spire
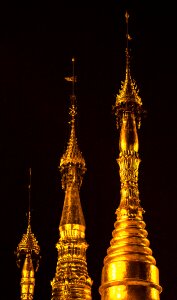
(27, 254)
(71, 281)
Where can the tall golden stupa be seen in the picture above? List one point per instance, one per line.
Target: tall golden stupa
(129, 271)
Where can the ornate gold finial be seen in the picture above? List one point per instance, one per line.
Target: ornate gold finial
(72, 163)
(28, 242)
(129, 270)
(128, 97)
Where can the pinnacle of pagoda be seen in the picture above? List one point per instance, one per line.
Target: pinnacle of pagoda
(71, 279)
(27, 254)
(129, 271)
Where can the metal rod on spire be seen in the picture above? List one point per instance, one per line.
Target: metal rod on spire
(29, 195)
(127, 34)
(73, 81)
(128, 38)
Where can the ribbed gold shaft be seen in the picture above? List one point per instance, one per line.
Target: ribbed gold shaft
(71, 278)
(129, 271)
(27, 279)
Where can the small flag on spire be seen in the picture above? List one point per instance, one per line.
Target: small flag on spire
(71, 78)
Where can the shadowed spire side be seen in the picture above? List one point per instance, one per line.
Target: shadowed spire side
(129, 271)
(71, 279)
(28, 257)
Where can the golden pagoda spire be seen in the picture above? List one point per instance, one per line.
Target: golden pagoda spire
(28, 257)
(129, 271)
(71, 279)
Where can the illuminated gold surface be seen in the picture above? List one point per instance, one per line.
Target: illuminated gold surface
(71, 279)
(27, 279)
(129, 271)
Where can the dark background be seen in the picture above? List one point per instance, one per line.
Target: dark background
(36, 47)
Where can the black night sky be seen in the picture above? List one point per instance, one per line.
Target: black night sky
(36, 47)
